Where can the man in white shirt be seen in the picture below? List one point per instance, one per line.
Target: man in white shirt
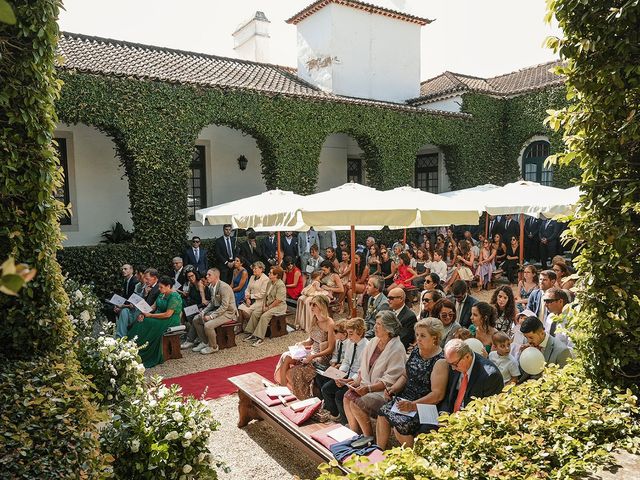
(554, 350)
(438, 266)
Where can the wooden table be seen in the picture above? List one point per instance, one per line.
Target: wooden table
(252, 408)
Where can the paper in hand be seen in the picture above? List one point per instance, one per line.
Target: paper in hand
(333, 373)
(140, 303)
(177, 286)
(395, 408)
(117, 300)
(428, 414)
(191, 310)
(297, 352)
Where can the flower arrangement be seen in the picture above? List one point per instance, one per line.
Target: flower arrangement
(85, 309)
(157, 433)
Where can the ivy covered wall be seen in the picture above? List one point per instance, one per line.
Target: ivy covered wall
(155, 124)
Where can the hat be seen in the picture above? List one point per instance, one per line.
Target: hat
(527, 313)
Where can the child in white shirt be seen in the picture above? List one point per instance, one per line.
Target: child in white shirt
(438, 266)
(502, 358)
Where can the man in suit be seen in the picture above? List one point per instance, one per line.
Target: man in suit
(129, 283)
(150, 293)
(495, 226)
(220, 310)
(305, 241)
(368, 243)
(225, 250)
(377, 303)
(511, 229)
(269, 250)
(554, 350)
(531, 243)
(196, 256)
(536, 303)
(405, 316)
(548, 234)
(463, 302)
(470, 375)
(179, 275)
(327, 239)
(554, 300)
(289, 246)
(250, 251)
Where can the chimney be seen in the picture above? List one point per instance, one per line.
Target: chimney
(357, 49)
(251, 39)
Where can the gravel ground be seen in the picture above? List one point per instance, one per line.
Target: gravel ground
(256, 451)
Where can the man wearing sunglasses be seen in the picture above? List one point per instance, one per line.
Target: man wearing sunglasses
(197, 256)
(470, 375)
(535, 303)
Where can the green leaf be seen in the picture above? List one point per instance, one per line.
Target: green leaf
(6, 13)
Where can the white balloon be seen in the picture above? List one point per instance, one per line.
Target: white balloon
(476, 345)
(532, 361)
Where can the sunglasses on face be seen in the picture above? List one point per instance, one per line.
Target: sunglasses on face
(550, 300)
(447, 315)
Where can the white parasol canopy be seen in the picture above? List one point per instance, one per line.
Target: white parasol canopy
(470, 197)
(268, 211)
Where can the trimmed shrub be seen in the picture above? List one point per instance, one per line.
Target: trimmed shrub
(48, 425)
(157, 433)
(560, 426)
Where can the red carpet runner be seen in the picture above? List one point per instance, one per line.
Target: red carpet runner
(215, 380)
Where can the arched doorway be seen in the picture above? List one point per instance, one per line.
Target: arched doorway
(533, 158)
(341, 160)
(430, 172)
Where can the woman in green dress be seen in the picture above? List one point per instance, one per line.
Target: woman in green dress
(150, 328)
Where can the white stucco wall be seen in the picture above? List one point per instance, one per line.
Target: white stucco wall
(443, 177)
(251, 42)
(332, 169)
(98, 189)
(360, 54)
(453, 104)
(225, 180)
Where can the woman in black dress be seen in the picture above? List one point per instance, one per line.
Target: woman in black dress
(424, 381)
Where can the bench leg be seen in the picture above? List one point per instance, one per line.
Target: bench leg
(246, 411)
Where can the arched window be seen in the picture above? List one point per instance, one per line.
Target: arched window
(533, 168)
(426, 173)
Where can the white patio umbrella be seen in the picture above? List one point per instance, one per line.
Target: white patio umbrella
(435, 210)
(470, 197)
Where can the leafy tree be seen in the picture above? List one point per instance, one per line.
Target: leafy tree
(601, 128)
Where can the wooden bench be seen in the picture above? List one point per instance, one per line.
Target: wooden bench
(225, 335)
(251, 407)
(277, 326)
(171, 346)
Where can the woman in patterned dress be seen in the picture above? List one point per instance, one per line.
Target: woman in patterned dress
(424, 381)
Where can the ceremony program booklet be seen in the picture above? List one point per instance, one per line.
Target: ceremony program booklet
(277, 391)
(333, 373)
(395, 409)
(191, 310)
(140, 303)
(297, 352)
(117, 300)
(428, 414)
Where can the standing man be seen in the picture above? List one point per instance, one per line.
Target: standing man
(548, 234)
(270, 251)
(250, 251)
(225, 253)
(289, 245)
(463, 301)
(495, 226)
(221, 309)
(405, 316)
(377, 303)
(305, 241)
(196, 256)
(327, 239)
(511, 229)
(531, 243)
(536, 303)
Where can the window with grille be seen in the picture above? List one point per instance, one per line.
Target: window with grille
(197, 191)
(426, 172)
(354, 170)
(533, 168)
(62, 193)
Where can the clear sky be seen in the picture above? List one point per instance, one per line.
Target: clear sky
(482, 38)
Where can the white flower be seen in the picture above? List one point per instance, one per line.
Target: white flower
(85, 316)
(113, 381)
(140, 367)
(135, 446)
(201, 457)
(177, 416)
(187, 468)
(171, 435)
(78, 295)
(188, 435)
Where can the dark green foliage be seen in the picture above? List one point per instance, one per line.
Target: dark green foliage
(602, 135)
(117, 234)
(48, 423)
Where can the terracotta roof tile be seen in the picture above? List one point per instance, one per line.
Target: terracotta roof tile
(367, 7)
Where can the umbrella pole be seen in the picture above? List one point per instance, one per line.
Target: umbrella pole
(486, 225)
(521, 238)
(279, 251)
(404, 239)
(352, 300)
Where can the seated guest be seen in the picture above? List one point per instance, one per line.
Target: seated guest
(512, 259)
(404, 273)
(554, 350)
(298, 375)
(330, 280)
(463, 301)
(438, 265)
(381, 365)
(421, 268)
(463, 266)
(555, 300)
(129, 283)
(344, 272)
(502, 358)
(150, 327)
(330, 256)
(239, 280)
(373, 259)
(445, 311)
(423, 381)
(432, 281)
(362, 275)
(387, 266)
(486, 264)
(194, 293)
(564, 278)
(483, 319)
(304, 313)
(517, 338)
(220, 310)
(149, 293)
(294, 280)
(314, 259)
(505, 304)
(470, 375)
(527, 285)
(254, 294)
(179, 275)
(377, 302)
(428, 299)
(274, 304)
(333, 391)
(547, 280)
(404, 314)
